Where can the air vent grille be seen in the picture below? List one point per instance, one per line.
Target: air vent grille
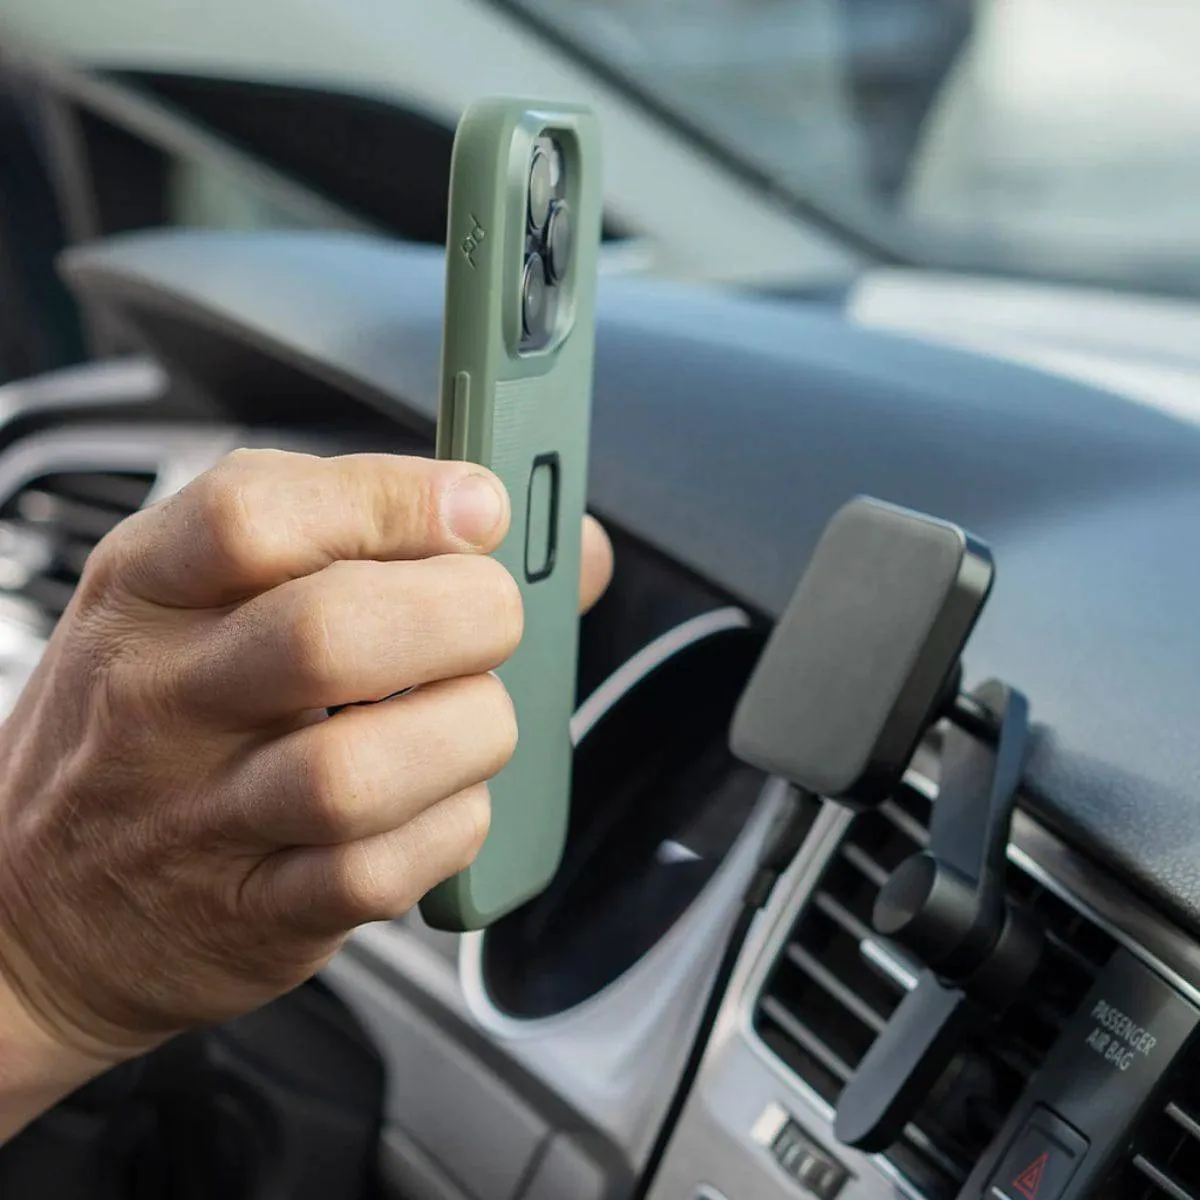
(50, 525)
(836, 984)
(1164, 1161)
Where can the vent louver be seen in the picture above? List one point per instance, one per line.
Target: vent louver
(50, 525)
(1164, 1160)
(837, 982)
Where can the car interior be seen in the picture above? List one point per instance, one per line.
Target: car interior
(191, 263)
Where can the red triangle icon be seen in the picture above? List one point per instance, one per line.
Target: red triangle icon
(1030, 1179)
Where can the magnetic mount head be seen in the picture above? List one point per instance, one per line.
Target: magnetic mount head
(866, 656)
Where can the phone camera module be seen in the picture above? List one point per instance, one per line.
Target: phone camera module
(558, 241)
(541, 190)
(534, 296)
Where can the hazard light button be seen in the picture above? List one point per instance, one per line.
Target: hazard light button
(1041, 1160)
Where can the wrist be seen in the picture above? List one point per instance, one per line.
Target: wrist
(36, 1069)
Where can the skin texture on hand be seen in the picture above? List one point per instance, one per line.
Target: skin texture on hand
(184, 833)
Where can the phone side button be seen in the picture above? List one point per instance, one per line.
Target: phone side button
(541, 518)
(460, 422)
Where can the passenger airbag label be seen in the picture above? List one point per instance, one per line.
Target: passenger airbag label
(1117, 1037)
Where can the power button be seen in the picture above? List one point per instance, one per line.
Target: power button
(1040, 1161)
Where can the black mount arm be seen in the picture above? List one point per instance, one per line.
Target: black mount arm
(946, 905)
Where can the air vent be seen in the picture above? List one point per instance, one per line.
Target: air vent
(1164, 1160)
(50, 525)
(836, 984)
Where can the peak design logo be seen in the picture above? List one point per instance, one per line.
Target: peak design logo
(471, 243)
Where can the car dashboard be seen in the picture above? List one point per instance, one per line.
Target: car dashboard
(539, 1058)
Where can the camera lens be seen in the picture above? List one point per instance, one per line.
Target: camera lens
(541, 190)
(558, 240)
(533, 297)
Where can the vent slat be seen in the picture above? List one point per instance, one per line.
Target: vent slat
(50, 595)
(74, 555)
(918, 1138)
(1017, 1058)
(67, 517)
(834, 986)
(1165, 1144)
(1069, 952)
(123, 493)
(1184, 1120)
(862, 862)
(840, 914)
(50, 526)
(1161, 1180)
(905, 823)
(837, 981)
(805, 1037)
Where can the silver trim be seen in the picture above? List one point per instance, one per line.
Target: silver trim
(173, 454)
(605, 698)
(649, 658)
(130, 381)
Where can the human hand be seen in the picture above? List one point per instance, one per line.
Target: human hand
(184, 835)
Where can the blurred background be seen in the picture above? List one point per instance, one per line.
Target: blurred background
(788, 144)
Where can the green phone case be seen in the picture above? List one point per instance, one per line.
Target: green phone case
(527, 417)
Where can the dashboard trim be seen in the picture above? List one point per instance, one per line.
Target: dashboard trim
(123, 382)
(174, 455)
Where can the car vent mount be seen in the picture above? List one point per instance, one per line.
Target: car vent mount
(863, 663)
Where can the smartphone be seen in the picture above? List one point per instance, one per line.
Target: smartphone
(516, 389)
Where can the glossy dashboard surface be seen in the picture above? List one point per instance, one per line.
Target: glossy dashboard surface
(728, 429)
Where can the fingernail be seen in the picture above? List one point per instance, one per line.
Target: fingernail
(475, 506)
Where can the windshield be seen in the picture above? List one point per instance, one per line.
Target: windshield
(1054, 137)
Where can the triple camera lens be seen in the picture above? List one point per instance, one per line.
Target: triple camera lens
(534, 293)
(541, 190)
(547, 243)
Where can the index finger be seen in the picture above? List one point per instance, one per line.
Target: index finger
(260, 518)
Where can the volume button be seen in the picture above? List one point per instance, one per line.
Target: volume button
(462, 407)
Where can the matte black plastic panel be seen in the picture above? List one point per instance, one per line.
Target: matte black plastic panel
(729, 429)
(1104, 1070)
(852, 674)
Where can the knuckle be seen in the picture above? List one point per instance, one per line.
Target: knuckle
(101, 569)
(363, 892)
(225, 509)
(309, 640)
(470, 821)
(119, 555)
(500, 596)
(418, 516)
(499, 718)
(333, 785)
(246, 460)
(402, 501)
